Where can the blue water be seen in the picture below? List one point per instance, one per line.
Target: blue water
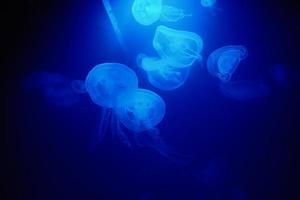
(229, 147)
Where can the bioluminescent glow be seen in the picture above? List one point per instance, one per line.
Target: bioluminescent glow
(140, 110)
(114, 23)
(160, 74)
(146, 12)
(172, 14)
(178, 48)
(54, 88)
(208, 3)
(223, 62)
(105, 82)
(245, 90)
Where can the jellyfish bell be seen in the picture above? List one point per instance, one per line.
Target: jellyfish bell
(140, 110)
(178, 48)
(245, 90)
(223, 62)
(146, 12)
(105, 82)
(160, 74)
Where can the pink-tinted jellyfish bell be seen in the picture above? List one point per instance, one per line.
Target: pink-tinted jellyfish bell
(223, 62)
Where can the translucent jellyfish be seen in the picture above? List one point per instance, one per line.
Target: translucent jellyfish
(114, 22)
(223, 62)
(105, 82)
(54, 88)
(140, 110)
(245, 90)
(178, 48)
(147, 12)
(160, 74)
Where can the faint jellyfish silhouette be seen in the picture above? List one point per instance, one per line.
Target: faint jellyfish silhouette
(160, 74)
(78, 86)
(223, 62)
(178, 48)
(245, 90)
(104, 84)
(172, 14)
(147, 12)
(55, 88)
(208, 3)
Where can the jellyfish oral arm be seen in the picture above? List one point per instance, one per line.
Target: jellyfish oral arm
(114, 22)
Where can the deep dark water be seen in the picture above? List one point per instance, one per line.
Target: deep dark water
(234, 150)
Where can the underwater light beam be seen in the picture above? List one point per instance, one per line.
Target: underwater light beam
(114, 23)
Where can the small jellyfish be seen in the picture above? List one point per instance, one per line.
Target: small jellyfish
(147, 12)
(105, 82)
(140, 110)
(54, 88)
(178, 48)
(245, 90)
(160, 74)
(223, 62)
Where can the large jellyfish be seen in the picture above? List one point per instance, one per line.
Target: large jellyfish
(245, 90)
(54, 88)
(147, 12)
(178, 48)
(223, 62)
(160, 74)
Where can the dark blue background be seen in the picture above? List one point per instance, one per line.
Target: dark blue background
(235, 148)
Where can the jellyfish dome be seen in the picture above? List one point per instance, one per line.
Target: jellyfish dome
(223, 62)
(105, 82)
(178, 48)
(140, 109)
(146, 12)
(160, 74)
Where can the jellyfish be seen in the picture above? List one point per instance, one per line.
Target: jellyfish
(114, 22)
(178, 48)
(245, 90)
(223, 62)
(147, 12)
(160, 74)
(54, 88)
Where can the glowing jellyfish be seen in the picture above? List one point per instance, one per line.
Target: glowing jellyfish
(223, 62)
(105, 82)
(140, 110)
(147, 12)
(54, 88)
(178, 48)
(245, 90)
(160, 74)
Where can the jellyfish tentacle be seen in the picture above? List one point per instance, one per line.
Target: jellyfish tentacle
(173, 14)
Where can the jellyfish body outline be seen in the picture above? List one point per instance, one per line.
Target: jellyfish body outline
(208, 3)
(223, 62)
(160, 74)
(140, 109)
(105, 82)
(178, 48)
